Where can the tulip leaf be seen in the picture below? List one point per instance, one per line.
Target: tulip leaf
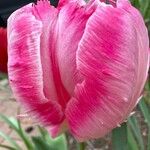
(10, 140)
(136, 131)
(136, 3)
(40, 144)
(15, 125)
(146, 113)
(52, 144)
(119, 138)
(132, 144)
(10, 121)
(61, 140)
(60, 143)
(24, 136)
(8, 147)
(146, 7)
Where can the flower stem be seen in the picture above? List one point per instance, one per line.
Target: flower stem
(82, 146)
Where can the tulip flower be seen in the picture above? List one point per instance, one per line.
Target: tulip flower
(80, 66)
(3, 50)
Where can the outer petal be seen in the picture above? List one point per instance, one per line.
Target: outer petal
(71, 25)
(26, 73)
(48, 15)
(108, 57)
(3, 50)
(143, 45)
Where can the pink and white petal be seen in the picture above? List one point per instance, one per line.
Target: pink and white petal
(71, 25)
(62, 3)
(108, 59)
(25, 66)
(143, 46)
(48, 16)
(52, 81)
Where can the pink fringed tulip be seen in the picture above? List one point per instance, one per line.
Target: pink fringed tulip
(79, 65)
(3, 50)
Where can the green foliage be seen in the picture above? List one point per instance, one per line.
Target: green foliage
(146, 113)
(10, 140)
(129, 135)
(136, 131)
(132, 143)
(41, 142)
(16, 126)
(58, 143)
(119, 137)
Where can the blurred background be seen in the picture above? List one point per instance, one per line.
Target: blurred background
(25, 134)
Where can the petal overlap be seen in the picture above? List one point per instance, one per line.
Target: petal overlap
(71, 24)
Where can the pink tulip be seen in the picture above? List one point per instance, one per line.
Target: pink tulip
(82, 66)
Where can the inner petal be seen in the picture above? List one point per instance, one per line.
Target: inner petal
(71, 24)
(53, 87)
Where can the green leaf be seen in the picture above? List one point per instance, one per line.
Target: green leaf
(10, 121)
(145, 111)
(136, 131)
(60, 143)
(56, 144)
(119, 137)
(45, 135)
(10, 140)
(132, 144)
(15, 124)
(146, 7)
(40, 144)
(136, 3)
(24, 136)
(7, 147)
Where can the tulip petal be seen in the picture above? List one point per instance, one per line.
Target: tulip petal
(26, 73)
(108, 59)
(71, 25)
(65, 2)
(143, 44)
